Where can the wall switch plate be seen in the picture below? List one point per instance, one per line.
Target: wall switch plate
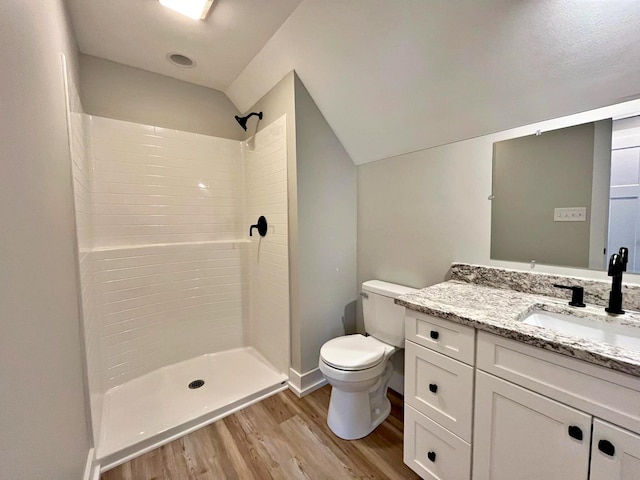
(571, 214)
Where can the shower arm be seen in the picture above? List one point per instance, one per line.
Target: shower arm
(243, 120)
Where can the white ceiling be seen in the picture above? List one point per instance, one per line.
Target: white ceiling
(141, 33)
(390, 76)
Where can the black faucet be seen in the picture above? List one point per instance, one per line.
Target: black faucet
(617, 265)
(577, 295)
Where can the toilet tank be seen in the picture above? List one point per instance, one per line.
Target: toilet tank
(383, 319)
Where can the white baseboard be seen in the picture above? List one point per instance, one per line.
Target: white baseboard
(91, 468)
(304, 384)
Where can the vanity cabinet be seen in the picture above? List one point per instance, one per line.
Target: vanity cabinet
(615, 453)
(438, 390)
(520, 434)
(549, 415)
(535, 414)
(528, 436)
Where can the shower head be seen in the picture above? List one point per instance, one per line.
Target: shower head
(243, 120)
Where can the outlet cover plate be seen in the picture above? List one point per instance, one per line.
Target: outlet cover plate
(570, 214)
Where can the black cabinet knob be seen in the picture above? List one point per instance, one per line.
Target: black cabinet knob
(433, 388)
(434, 334)
(606, 447)
(431, 456)
(575, 432)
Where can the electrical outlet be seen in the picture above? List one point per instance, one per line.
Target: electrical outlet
(571, 214)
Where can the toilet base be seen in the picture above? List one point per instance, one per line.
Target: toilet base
(349, 418)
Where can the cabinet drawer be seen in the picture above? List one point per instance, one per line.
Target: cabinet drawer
(603, 392)
(432, 451)
(439, 387)
(443, 336)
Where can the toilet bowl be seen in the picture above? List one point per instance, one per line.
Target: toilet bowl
(358, 397)
(358, 367)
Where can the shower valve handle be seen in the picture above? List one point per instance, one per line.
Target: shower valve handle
(261, 226)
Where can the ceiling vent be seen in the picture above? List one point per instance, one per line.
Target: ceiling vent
(181, 60)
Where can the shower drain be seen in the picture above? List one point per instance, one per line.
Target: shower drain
(196, 384)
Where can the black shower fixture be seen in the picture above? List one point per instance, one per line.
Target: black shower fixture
(243, 120)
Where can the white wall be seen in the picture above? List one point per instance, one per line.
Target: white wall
(267, 326)
(395, 77)
(43, 425)
(322, 222)
(114, 90)
(420, 212)
(169, 273)
(157, 185)
(161, 304)
(172, 272)
(82, 172)
(417, 213)
(278, 101)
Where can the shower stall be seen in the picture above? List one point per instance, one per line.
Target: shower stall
(185, 316)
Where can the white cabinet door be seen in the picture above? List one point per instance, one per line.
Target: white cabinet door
(521, 435)
(615, 453)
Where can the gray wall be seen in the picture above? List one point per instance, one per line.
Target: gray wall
(327, 229)
(43, 428)
(532, 176)
(114, 90)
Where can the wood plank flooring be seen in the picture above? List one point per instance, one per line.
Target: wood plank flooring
(282, 437)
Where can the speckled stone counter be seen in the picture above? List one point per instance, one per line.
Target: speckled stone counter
(595, 291)
(501, 311)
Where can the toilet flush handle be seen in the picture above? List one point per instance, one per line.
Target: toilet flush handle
(364, 294)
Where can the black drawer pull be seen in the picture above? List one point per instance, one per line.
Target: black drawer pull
(575, 432)
(433, 388)
(431, 456)
(606, 447)
(434, 334)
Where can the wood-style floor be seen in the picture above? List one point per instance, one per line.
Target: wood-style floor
(282, 437)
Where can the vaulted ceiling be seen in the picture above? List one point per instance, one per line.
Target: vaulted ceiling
(391, 76)
(141, 33)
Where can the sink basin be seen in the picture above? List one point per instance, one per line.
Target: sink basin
(594, 330)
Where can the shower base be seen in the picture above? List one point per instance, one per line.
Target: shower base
(159, 407)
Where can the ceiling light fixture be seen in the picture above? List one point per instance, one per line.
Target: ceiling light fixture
(196, 9)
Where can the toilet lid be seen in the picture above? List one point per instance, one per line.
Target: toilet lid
(353, 352)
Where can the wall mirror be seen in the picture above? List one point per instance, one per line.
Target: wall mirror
(568, 197)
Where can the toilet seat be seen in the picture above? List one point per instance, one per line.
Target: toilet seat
(354, 352)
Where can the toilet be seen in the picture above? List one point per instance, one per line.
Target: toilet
(357, 366)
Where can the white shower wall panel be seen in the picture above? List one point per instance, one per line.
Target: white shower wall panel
(267, 326)
(154, 185)
(82, 176)
(163, 304)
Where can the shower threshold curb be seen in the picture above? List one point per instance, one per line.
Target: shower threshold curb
(114, 459)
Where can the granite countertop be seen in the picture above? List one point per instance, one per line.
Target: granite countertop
(500, 311)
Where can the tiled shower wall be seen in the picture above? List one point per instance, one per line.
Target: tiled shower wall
(166, 248)
(266, 194)
(169, 271)
(162, 304)
(154, 185)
